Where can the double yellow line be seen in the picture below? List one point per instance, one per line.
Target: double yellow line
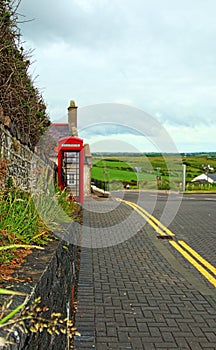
(201, 264)
(196, 260)
(155, 223)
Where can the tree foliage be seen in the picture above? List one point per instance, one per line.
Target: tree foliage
(19, 98)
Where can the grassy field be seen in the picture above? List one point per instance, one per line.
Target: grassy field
(152, 171)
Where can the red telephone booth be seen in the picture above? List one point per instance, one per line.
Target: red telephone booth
(71, 166)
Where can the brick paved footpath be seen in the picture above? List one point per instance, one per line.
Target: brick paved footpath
(136, 294)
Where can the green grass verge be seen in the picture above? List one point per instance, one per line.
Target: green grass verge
(141, 171)
(20, 223)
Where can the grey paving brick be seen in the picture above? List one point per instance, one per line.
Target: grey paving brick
(165, 345)
(211, 336)
(168, 337)
(123, 336)
(148, 346)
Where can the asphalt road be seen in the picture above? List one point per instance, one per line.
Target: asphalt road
(191, 217)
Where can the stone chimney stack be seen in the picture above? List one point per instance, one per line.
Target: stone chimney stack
(72, 115)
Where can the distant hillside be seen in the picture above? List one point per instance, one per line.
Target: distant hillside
(156, 154)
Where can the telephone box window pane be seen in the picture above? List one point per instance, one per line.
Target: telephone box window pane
(71, 179)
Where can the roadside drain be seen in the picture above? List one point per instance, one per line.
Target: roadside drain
(164, 237)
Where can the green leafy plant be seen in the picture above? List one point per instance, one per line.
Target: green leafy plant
(20, 224)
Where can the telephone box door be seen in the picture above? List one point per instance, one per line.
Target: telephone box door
(71, 166)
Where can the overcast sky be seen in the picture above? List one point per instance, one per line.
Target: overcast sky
(156, 56)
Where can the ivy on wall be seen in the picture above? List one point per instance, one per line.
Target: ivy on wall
(19, 98)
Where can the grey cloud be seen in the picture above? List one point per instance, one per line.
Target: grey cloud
(159, 55)
(110, 119)
(67, 22)
(138, 23)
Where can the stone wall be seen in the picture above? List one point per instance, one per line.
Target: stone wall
(19, 159)
(51, 275)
